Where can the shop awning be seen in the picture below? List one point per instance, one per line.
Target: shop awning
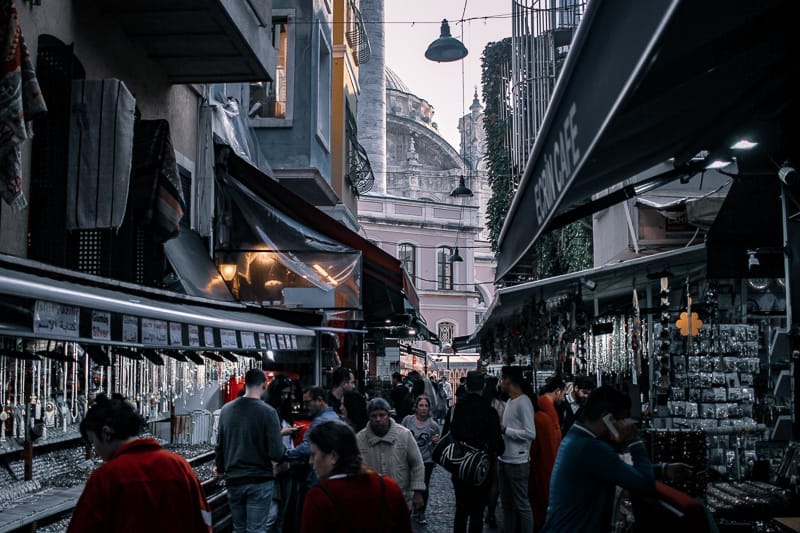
(386, 287)
(201, 41)
(740, 227)
(43, 302)
(650, 83)
(613, 283)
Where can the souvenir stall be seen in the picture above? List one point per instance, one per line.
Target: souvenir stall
(65, 338)
(705, 362)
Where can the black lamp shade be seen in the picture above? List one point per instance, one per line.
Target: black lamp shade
(462, 189)
(456, 257)
(446, 48)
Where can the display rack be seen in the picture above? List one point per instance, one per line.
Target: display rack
(710, 387)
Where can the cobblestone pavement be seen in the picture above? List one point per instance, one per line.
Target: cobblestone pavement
(442, 506)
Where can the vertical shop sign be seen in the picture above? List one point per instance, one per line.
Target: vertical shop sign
(273, 341)
(101, 325)
(248, 340)
(262, 342)
(130, 329)
(56, 319)
(194, 335)
(175, 334)
(208, 337)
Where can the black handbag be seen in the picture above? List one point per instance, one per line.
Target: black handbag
(467, 463)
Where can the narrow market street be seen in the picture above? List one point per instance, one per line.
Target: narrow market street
(442, 506)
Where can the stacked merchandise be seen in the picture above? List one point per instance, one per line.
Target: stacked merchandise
(743, 501)
(681, 446)
(711, 388)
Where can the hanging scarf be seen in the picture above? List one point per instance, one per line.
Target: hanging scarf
(20, 102)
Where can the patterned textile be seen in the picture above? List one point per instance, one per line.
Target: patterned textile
(20, 102)
(156, 190)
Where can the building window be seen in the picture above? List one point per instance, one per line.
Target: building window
(270, 102)
(407, 254)
(444, 268)
(446, 332)
(324, 88)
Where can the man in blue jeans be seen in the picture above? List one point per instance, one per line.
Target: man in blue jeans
(514, 464)
(248, 440)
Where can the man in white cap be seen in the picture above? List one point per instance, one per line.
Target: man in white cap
(390, 449)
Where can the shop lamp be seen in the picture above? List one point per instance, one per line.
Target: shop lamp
(446, 48)
(227, 270)
(752, 259)
(456, 257)
(744, 144)
(227, 266)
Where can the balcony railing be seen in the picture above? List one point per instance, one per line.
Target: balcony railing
(359, 171)
(541, 37)
(357, 35)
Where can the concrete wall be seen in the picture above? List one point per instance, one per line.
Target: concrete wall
(610, 234)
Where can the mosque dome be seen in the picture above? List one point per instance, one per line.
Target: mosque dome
(394, 82)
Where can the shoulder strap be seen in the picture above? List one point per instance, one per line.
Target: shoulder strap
(450, 420)
(342, 514)
(383, 502)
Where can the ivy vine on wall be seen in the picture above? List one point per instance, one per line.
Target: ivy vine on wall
(495, 69)
(560, 251)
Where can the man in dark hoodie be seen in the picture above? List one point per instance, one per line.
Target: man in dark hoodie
(474, 421)
(248, 440)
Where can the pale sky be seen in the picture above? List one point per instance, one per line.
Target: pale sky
(411, 25)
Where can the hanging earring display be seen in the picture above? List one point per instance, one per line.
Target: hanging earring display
(636, 342)
(665, 344)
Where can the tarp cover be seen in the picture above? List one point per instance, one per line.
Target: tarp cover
(196, 271)
(273, 251)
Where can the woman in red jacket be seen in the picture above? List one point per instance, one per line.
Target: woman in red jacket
(349, 497)
(140, 486)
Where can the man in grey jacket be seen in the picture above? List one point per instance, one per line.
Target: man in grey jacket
(390, 449)
(248, 440)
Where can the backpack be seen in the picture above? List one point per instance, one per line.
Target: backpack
(440, 391)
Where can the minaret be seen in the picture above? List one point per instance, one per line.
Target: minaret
(372, 100)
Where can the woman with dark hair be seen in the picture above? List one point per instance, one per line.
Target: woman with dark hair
(349, 497)
(426, 432)
(280, 395)
(140, 486)
(354, 410)
(491, 393)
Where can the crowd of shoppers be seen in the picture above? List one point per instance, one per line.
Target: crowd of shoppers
(357, 468)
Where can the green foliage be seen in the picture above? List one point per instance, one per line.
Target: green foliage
(558, 252)
(495, 67)
(564, 250)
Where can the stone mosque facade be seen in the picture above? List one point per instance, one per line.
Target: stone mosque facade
(409, 211)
